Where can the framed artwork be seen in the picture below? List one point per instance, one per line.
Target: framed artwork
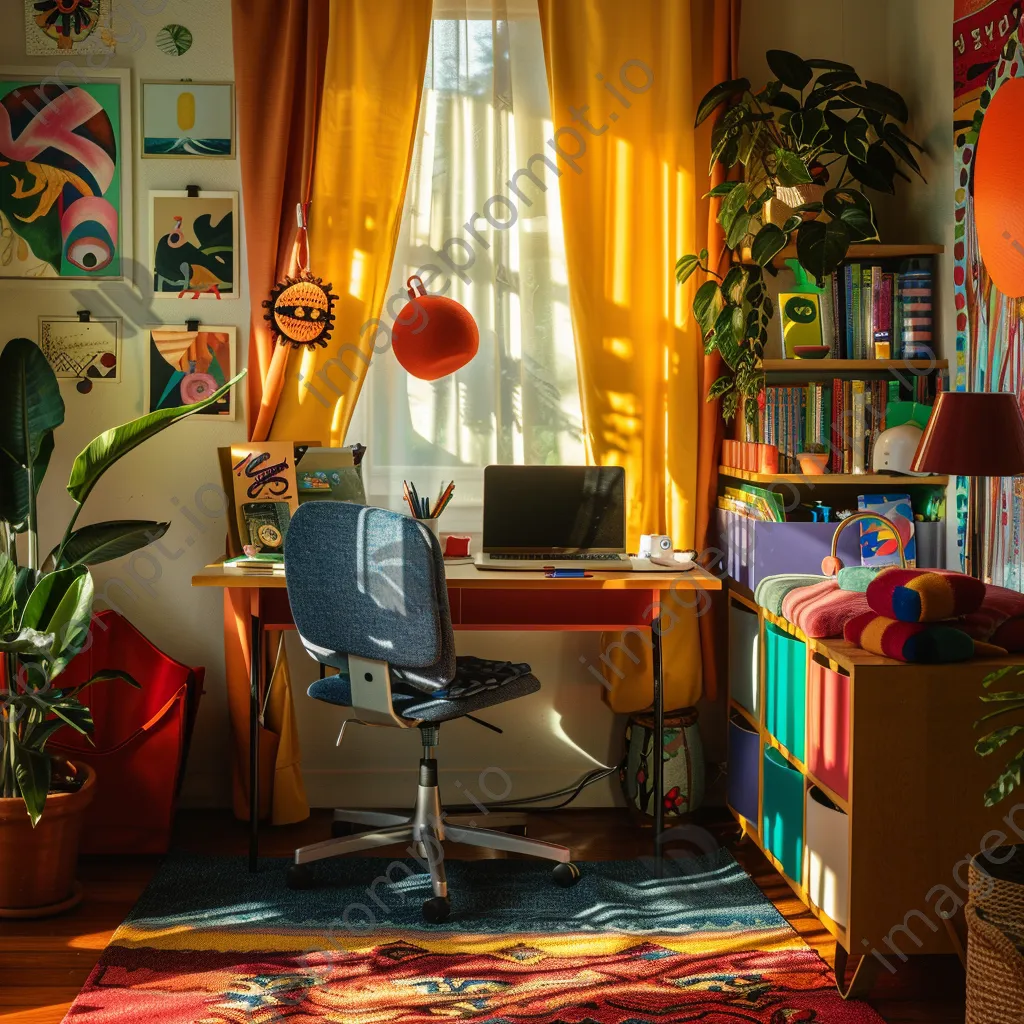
(65, 176)
(183, 367)
(187, 119)
(59, 27)
(194, 245)
(84, 350)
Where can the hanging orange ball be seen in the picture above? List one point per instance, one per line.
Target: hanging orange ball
(433, 335)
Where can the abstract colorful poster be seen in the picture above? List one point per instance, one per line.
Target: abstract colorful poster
(989, 347)
(187, 366)
(57, 27)
(195, 245)
(188, 119)
(65, 190)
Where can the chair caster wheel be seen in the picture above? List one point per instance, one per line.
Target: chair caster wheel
(566, 875)
(299, 877)
(436, 910)
(341, 829)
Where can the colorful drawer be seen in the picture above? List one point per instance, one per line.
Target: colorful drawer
(744, 651)
(827, 877)
(785, 689)
(744, 765)
(782, 818)
(828, 727)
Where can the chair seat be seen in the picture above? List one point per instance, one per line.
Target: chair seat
(440, 706)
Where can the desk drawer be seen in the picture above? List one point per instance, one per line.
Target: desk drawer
(786, 689)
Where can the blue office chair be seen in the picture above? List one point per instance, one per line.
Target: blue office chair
(368, 595)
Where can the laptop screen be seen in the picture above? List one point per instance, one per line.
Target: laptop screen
(554, 508)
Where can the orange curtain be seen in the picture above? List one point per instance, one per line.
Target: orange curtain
(280, 52)
(720, 63)
(624, 82)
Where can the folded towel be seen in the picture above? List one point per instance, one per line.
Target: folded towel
(924, 595)
(922, 642)
(822, 610)
(772, 589)
(857, 577)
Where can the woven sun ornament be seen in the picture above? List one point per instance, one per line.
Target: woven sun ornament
(301, 308)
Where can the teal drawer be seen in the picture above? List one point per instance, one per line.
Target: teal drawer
(785, 660)
(782, 813)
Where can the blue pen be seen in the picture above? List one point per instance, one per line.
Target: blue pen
(567, 574)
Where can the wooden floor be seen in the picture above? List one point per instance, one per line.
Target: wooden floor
(43, 964)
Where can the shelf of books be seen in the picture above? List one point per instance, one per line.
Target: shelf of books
(826, 479)
(867, 251)
(828, 367)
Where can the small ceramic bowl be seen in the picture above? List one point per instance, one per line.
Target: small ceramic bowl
(810, 351)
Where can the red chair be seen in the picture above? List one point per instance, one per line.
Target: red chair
(141, 738)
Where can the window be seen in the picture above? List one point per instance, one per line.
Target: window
(499, 251)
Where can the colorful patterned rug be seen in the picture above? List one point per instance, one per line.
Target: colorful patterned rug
(209, 943)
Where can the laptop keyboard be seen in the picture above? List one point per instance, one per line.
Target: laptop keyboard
(581, 557)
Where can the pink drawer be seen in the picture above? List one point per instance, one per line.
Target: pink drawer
(828, 727)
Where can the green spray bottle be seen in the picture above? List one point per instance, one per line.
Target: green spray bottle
(800, 312)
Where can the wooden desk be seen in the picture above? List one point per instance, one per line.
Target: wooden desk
(492, 600)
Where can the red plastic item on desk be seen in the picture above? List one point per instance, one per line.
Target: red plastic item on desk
(455, 546)
(141, 737)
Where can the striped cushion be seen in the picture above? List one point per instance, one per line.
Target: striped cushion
(925, 643)
(924, 595)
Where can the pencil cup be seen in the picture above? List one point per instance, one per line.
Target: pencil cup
(431, 525)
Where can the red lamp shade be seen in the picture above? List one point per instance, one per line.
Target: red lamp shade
(433, 335)
(973, 433)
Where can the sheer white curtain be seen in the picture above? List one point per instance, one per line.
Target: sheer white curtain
(484, 117)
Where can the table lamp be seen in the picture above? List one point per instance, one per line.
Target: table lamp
(973, 434)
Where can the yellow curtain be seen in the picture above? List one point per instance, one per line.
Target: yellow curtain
(377, 53)
(622, 82)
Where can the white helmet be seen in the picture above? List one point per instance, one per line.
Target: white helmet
(895, 449)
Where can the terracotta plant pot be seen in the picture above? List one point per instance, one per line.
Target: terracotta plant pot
(812, 463)
(39, 864)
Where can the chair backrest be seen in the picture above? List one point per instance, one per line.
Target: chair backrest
(369, 583)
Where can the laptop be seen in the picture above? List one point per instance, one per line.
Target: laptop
(568, 517)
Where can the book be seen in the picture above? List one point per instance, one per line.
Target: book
(877, 543)
(258, 565)
(265, 492)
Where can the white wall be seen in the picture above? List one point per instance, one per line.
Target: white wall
(551, 739)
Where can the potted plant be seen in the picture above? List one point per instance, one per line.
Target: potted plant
(815, 136)
(45, 614)
(813, 459)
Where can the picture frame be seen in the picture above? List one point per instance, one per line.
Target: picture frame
(37, 242)
(184, 366)
(193, 245)
(83, 348)
(66, 23)
(164, 104)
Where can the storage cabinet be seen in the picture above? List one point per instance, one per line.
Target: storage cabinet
(857, 777)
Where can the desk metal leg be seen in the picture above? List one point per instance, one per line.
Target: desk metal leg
(659, 744)
(255, 667)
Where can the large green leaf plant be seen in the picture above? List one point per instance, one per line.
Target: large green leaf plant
(46, 606)
(815, 123)
(1005, 703)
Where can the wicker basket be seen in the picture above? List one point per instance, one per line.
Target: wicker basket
(995, 965)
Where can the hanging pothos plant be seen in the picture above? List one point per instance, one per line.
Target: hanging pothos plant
(813, 138)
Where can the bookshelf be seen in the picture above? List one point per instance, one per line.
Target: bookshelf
(869, 251)
(832, 366)
(824, 479)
